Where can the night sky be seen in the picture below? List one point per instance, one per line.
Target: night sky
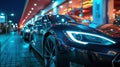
(13, 6)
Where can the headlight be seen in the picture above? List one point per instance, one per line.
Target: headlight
(88, 38)
(27, 30)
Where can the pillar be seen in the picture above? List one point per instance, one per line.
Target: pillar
(110, 10)
(55, 10)
(99, 12)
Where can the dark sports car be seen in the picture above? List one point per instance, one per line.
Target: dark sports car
(65, 42)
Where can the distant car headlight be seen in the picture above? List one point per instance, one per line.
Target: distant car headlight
(89, 38)
(27, 30)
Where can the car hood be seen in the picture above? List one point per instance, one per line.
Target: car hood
(111, 30)
(84, 28)
(80, 27)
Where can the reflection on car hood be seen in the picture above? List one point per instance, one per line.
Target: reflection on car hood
(111, 30)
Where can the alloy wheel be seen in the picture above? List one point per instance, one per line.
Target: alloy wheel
(50, 53)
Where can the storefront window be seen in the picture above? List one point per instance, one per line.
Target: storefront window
(78, 8)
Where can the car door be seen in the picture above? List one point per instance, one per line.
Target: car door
(37, 37)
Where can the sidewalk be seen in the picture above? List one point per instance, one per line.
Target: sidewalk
(3, 38)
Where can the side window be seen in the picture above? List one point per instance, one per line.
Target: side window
(48, 22)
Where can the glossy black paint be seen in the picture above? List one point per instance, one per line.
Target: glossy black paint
(89, 55)
(26, 33)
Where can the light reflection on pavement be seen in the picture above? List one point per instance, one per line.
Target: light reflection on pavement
(15, 52)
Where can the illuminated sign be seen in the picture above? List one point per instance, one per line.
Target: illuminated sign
(2, 18)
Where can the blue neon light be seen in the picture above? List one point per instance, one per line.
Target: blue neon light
(27, 30)
(63, 20)
(57, 16)
(84, 33)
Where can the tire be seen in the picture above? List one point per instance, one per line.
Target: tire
(51, 55)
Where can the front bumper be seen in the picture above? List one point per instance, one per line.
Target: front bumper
(87, 54)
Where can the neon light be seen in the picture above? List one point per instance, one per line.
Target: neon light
(57, 16)
(25, 46)
(32, 8)
(28, 13)
(2, 14)
(55, 4)
(70, 2)
(63, 20)
(43, 12)
(12, 14)
(10, 21)
(35, 4)
(84, 33)
(61, 6)
(27, 30)
(73, 38)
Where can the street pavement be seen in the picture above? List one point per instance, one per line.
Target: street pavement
(3, 39)
(15, 52)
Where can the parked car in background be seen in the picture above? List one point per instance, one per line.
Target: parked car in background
(65, 41)
(26, 33)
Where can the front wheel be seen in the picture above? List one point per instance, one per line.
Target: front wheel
(51, 55)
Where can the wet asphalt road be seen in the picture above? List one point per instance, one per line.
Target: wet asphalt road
(14, 52)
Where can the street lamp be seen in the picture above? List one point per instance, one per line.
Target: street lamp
(10, 21)
(3, 17)
(12, 14)
(70, 2)
(2, 14)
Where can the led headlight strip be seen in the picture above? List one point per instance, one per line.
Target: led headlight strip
(84, 33)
